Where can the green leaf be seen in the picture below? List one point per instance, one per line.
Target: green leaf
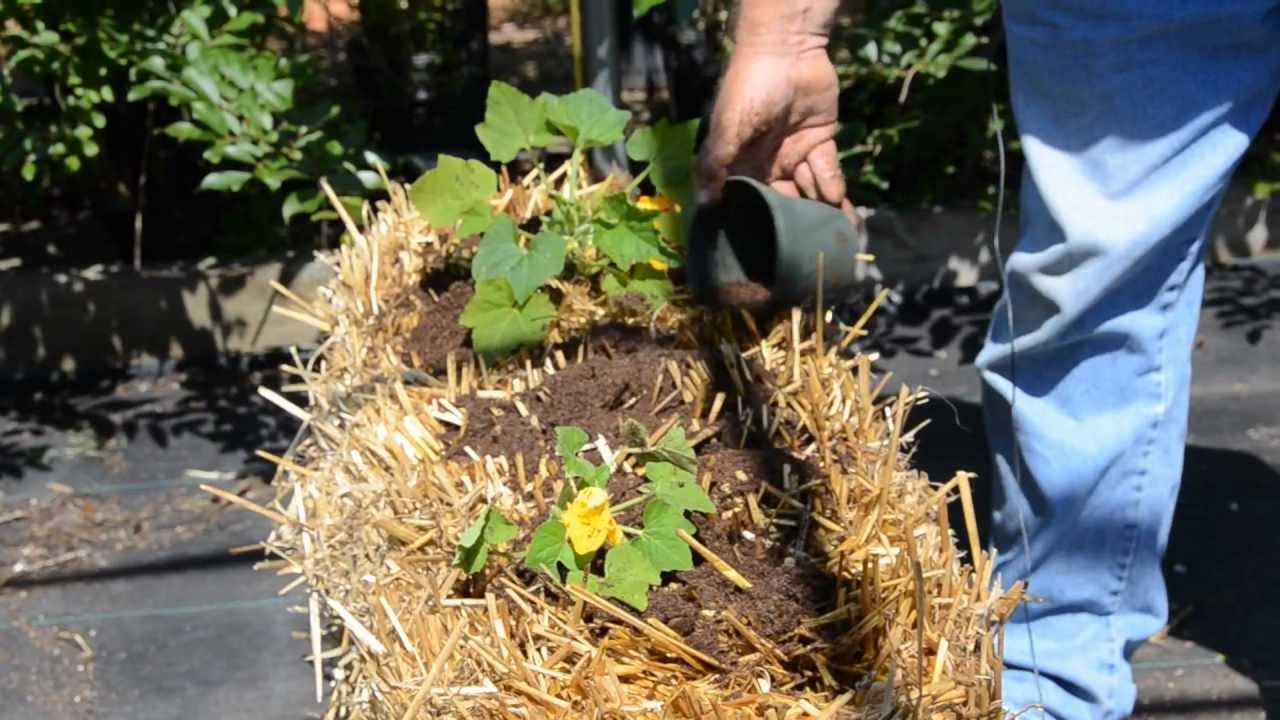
(45, 38)
(195, 23)
(592, 475)
(231, 180)
(369, 179)
(627, 576)
(243, 21)
(499, 256)
(640, 8)
(570, 441)
(301, 202)
(499, 325)
(491, 528)
(678, 488)
(202, 83)
(617, 209)
(567, 492)
(247, 153)
(471, 535)
(213, 118)
(624, 561)
(651, 284)
(456, 191)
(673, 448)
(976, 64)
(547, 548)
(274, 178)
(659, 542)
(513, 122)
(586, 118)
(174, 92)
(628, 244)
(498, 529)
(154, 63)
(669, 150)
(28, 171)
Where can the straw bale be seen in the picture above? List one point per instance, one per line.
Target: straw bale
(370, 506)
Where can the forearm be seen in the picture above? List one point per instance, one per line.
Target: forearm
(784, 25)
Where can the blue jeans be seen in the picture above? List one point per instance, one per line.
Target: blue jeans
(1133, 114)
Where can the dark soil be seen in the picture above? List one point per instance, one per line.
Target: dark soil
(746, 295)
(614, 383)
(440, 333)
(786, 585)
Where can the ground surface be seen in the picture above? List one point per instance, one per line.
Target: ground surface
(128, 605)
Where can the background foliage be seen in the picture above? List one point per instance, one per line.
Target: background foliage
(233, 110)
(208, 97)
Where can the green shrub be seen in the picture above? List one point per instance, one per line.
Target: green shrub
(225, 77)
(917, 87)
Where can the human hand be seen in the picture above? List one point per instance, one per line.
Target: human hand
(775, 120)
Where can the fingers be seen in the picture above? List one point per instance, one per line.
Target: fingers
(823, 164)
(805, 181)
(847, 208)
(724, 144)
(713, 164)
(786, 187)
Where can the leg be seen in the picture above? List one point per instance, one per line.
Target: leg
(1132, 116)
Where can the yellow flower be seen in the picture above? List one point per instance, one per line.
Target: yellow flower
(659, 265)
(661, 203)
(589, 522)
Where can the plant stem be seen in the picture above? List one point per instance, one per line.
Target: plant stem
(638, 179)
(644, 495)
(141, 192)
(630, 530)
(575, 160)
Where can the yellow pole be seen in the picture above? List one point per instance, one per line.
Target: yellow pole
(575, 29)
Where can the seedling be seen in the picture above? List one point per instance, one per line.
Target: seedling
(489, 530)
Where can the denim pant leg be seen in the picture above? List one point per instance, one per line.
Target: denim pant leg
(1132, 115)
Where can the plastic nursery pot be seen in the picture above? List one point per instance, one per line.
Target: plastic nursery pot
(758, 247)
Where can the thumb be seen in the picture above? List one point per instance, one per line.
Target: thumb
(721, 148)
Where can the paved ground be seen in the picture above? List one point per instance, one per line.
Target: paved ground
(130, 606)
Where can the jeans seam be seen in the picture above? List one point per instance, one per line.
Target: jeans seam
(1131, 527)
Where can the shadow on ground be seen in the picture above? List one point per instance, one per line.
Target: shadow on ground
(1245, 298)
(215, 402)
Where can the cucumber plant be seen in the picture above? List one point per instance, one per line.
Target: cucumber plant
(583, 524)
(620, 243)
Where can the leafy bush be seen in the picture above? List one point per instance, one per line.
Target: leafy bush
(917, 86)
(226, 77)
(239, 102)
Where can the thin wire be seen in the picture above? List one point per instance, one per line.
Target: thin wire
(1013, 392)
